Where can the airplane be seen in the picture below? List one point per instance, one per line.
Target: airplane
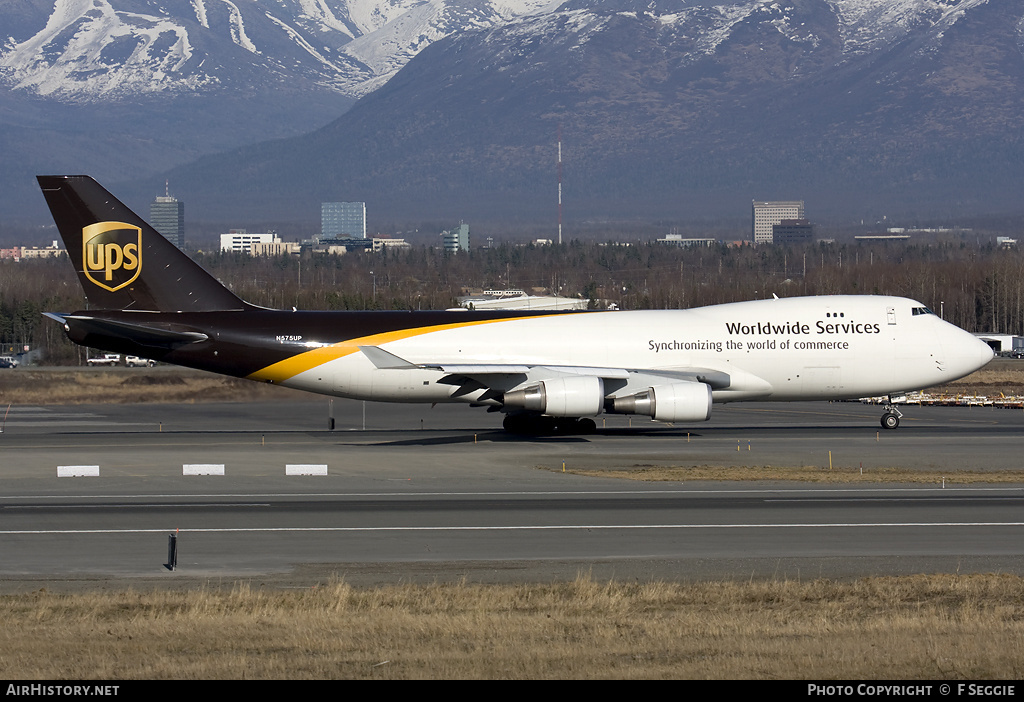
(547, 372)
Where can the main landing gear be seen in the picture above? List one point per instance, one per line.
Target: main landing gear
(540, 425)
(891, 418)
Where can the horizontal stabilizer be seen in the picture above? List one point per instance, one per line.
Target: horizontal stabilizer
(81, 326)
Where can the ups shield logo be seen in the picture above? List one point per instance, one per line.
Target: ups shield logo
(111, 254)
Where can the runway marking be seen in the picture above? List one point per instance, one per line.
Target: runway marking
(142, 505)
(525, 493)
(546, 527)
(834, 500)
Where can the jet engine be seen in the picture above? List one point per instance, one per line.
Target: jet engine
(678, 402)
(569, 396)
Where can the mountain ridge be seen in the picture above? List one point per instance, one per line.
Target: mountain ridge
(658, 125)
(668, 109)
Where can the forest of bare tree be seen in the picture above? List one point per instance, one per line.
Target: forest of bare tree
(979, 288)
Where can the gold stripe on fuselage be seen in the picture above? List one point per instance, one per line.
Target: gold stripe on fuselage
(306, 360)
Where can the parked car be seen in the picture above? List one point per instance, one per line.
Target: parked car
(8, 362)
(133, 361)
(107, 359)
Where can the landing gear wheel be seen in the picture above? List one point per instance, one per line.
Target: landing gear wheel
(529, 425)
(890, 420)
(586, 426)
(568, 426)
(537, 425)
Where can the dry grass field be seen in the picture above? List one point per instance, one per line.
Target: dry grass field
(69, 386)
(802, 474)
(922, 627)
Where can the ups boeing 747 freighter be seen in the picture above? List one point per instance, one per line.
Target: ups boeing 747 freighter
(546, 371)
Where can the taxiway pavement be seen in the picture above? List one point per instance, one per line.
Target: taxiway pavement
(420, 493)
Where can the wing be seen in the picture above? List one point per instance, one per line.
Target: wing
(502, 383)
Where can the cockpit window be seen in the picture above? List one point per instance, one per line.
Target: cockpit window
(921, 310)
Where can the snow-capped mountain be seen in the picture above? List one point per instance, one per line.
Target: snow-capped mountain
(122, 88)
(662, 102)
(679, 108)
(89, 50)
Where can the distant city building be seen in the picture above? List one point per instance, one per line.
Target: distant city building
(678, 240)
(241, 241)
(882, 237)
(793, 231)
(455, 240)
(499, 294)
(330, 249)
(340, 220)
(926, 230)
(347, 243)
(519, 300)
(167, 216)
(275, 248)
(21, 252)
(767, 214)
(387, 242)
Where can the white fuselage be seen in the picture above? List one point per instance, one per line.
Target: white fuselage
(829, 347)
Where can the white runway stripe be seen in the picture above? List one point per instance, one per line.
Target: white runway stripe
(545, 527)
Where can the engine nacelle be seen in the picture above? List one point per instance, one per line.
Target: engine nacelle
(678, 402)
(569, 396)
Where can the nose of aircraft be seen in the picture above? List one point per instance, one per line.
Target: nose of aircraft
(968, 353)
(985, 353)
(963, 353)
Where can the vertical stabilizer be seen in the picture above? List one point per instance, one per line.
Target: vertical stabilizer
(122, 262)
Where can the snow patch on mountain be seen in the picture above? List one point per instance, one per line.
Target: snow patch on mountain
(319, 13)
(238, 28)
(200, 8)
(867, 25)
(104, 49)
(385, 50)
(87, 46)
(117, 49)
(299, 40)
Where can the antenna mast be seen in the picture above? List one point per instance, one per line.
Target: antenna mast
(559, 183)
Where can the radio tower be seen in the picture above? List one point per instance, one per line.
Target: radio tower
(559, 183)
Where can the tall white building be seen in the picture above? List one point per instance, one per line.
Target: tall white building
(767, 214)
(239, 240)
(343, 220)
(455, 240)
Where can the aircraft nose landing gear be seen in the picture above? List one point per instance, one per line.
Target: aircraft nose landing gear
(891, 418)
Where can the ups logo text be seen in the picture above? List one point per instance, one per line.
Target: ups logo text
(111, 254)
